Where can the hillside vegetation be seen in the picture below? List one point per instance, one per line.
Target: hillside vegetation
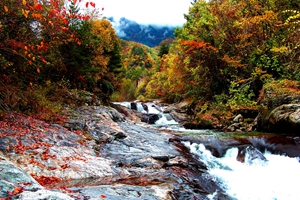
(51, 54)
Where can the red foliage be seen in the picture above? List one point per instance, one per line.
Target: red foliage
(38, 6)
(45, 180)
(92, 4)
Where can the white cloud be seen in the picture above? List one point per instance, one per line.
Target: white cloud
(160, 12)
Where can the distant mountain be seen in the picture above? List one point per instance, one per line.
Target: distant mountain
(150, 35)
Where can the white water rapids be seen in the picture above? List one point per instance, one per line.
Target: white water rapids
(274, 179)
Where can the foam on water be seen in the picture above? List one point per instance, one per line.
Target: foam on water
(165, 121)
(275, 179)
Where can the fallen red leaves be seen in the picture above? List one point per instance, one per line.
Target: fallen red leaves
(45, 180)
(46, 155)
(26, 131)
(17, 190)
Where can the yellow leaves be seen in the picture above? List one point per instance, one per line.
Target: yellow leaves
(294, 18)
(105, 32)
(25, 13)
(282, 49)
(24, 2)
(6, 8)
(268, 15)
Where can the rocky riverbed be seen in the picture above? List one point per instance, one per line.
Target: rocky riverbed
(109, 153)
(100, 153)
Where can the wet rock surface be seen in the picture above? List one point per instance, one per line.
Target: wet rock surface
(107, 152)
(100, 153)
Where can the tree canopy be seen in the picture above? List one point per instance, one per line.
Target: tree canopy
(229, 44)
(47, 44)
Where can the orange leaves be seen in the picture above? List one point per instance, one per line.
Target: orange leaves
(233, 61)
(24, 2)
(242, 3)
(6, 8)
(17, 190)
(36, 15)
(25, 13)
(192, 45)
(31, 51)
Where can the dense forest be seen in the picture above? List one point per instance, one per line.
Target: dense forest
(54, 52)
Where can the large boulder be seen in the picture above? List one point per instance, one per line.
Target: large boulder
(284, 118)
(17, 184)
(280, 108)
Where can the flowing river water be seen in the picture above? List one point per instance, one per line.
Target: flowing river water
(247, 166)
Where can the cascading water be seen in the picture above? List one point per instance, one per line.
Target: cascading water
(272, 178)
(149, 108)
(251, 173)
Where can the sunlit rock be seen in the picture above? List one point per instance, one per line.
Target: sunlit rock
(239, 118)
(42, 195)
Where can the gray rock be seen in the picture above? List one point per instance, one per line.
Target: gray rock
(42, 195)
(121, 192)
(284, 118)
(12, 177)
(238, 118)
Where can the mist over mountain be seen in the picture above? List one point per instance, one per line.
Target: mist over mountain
(150, 35)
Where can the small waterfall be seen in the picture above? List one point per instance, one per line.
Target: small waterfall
(153, 111)
(272, 178)
(140, 108)
(166, 120)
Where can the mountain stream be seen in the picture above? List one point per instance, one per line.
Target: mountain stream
(247, 166)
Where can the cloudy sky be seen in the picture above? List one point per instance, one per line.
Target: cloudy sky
(159, 12)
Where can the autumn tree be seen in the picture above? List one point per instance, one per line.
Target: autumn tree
(54, 43)
(139, 61)
(230, 47)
